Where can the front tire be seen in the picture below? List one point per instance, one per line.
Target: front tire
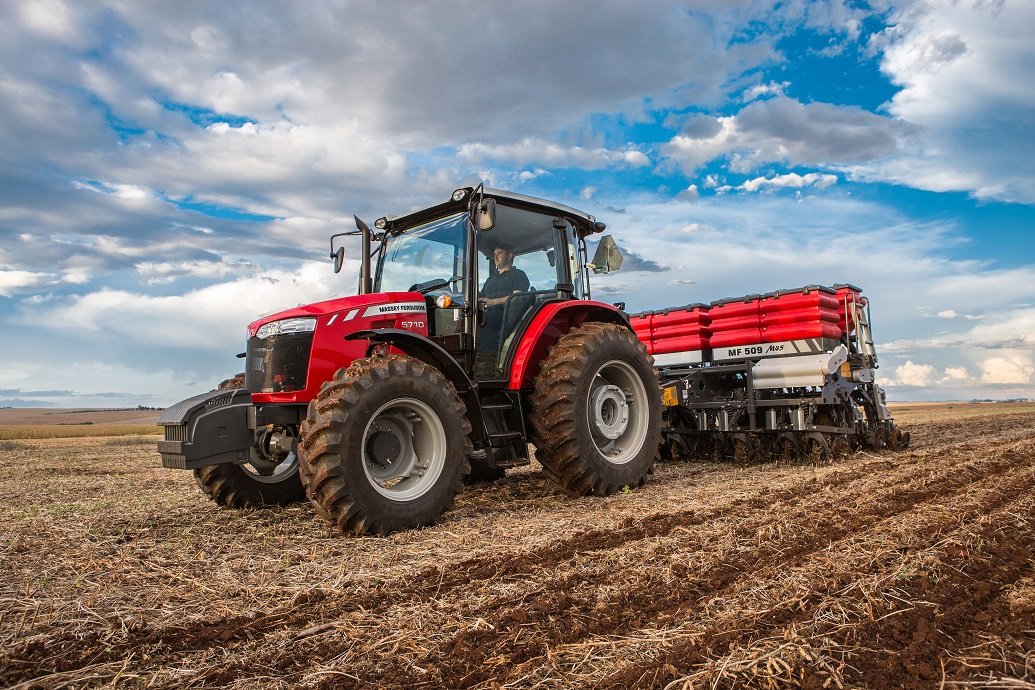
(596, 410)
(383, 446)
(238, 486)
(245, 486)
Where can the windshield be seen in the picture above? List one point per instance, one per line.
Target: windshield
(433, 251)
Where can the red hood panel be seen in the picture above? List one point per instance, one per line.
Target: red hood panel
(336, 305)
(331, 347)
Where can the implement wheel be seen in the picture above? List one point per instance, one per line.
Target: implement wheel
(596, 410)
(247, 485)
(383, 446)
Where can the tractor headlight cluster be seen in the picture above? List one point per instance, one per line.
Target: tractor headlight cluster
(305, 324)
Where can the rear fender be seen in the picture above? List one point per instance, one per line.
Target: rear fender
(208, 429)
(545, 329)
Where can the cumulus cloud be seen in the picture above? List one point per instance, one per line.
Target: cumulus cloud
(217, 312)
(158, 117)
(542, 152)
(953, 314)
(691, 194)
(588, 57)
(158, 347)
(963, 79)
(12, 282)
(955, 375)
(50, 18)
(1010, 328)
(789, 181)
(1010, 367)
(958, 122)
(912, 374)
(762, 90)
(529, 175)
(788, 131)
(164, 272)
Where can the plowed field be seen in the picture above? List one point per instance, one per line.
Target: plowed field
(890, 570)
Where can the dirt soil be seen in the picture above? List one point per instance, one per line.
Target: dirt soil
(890, 570)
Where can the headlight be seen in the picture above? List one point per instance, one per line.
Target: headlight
(302, 325)
(459, 194)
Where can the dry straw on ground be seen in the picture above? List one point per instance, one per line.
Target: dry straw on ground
(880, 571)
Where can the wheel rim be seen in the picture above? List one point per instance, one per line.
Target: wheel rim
(287, 467)
(617, 411)
(269, 470)
(404, 449)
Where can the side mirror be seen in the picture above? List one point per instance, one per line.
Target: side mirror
(607, 257)
(339, 259)
(485, 214)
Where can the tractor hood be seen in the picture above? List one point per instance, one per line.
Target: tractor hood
(390, 303)
(292, 352)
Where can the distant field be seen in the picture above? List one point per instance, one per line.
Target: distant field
(939, 411)
(25, 423)
(10, 432)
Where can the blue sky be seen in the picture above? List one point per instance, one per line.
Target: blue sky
(168, 172)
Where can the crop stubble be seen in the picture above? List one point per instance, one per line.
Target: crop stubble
(882, 570)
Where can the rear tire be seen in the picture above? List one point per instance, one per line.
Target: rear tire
(241, 486)
(596, 410)
(382, 446)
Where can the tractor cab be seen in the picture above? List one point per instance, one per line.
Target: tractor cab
(486, 262)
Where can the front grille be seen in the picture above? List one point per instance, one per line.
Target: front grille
(176, 432)
(278, 363)
(174, 462)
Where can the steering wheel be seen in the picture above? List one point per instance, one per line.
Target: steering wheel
(435, 284)
(429, 285)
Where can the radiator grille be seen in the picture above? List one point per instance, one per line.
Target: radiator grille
(175, 432)
(278, 363)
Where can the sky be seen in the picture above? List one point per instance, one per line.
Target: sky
(171, 171)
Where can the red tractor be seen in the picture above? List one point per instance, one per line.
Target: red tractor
(473, 335)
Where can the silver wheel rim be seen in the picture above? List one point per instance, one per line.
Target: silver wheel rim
(418, 440)
(287, 468)
(617, 411)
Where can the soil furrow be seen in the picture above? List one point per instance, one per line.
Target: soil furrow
(872, 633)
(563, 614)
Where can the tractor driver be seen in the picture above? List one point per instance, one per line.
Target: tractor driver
(499, 286)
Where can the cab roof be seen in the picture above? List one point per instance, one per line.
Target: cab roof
(583, 221)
